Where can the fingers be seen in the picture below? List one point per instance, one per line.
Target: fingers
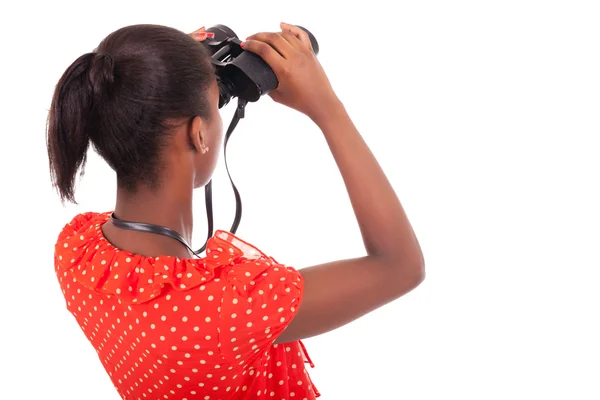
(276, 47)
(265, 51)
(299, 33)
(200, 35)
(293, 41)
(276, 41)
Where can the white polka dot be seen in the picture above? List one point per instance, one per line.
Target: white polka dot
(188, 297)
(207, 319)
(235, 301)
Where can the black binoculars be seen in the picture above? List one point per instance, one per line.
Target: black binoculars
(241, 73)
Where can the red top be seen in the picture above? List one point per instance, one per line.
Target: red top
(171, 328)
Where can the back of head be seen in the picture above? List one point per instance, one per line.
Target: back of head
(124, 99)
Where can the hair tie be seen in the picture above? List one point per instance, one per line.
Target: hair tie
(101, 72)
(106, 56)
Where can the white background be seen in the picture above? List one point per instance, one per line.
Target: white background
(485, 116)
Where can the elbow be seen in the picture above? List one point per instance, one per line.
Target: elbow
(417, 274)
(409, 274)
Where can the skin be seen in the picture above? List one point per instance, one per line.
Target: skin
(335, 293)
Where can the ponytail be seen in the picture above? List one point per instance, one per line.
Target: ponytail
(124, 99)
(74, 118)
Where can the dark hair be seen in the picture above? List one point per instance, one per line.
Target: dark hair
(124, 98)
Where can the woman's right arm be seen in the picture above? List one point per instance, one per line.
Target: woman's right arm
(339, 292)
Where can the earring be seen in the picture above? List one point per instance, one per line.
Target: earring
(203, 148)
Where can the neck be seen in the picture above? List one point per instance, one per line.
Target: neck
(165, 208)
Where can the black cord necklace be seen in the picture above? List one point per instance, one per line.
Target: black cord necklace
(150, 228)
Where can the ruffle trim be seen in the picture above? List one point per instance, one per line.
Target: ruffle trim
(83, 252)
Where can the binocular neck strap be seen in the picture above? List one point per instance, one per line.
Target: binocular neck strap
(237, 116)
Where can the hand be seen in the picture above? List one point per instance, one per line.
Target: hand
(303, 84)
(200, 35)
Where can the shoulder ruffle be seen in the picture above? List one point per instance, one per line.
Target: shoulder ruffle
(83, 252)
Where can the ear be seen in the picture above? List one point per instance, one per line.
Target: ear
(197, 134)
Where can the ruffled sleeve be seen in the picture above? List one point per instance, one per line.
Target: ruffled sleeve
(259, 302)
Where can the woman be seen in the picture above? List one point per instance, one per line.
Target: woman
(228, 325)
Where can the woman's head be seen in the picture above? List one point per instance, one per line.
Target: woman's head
(147, 100)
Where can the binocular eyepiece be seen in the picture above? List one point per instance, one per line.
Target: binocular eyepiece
(241, 73)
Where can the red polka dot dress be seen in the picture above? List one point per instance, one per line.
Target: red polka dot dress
(171, 328)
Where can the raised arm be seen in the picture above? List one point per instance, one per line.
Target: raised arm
(339, 292)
